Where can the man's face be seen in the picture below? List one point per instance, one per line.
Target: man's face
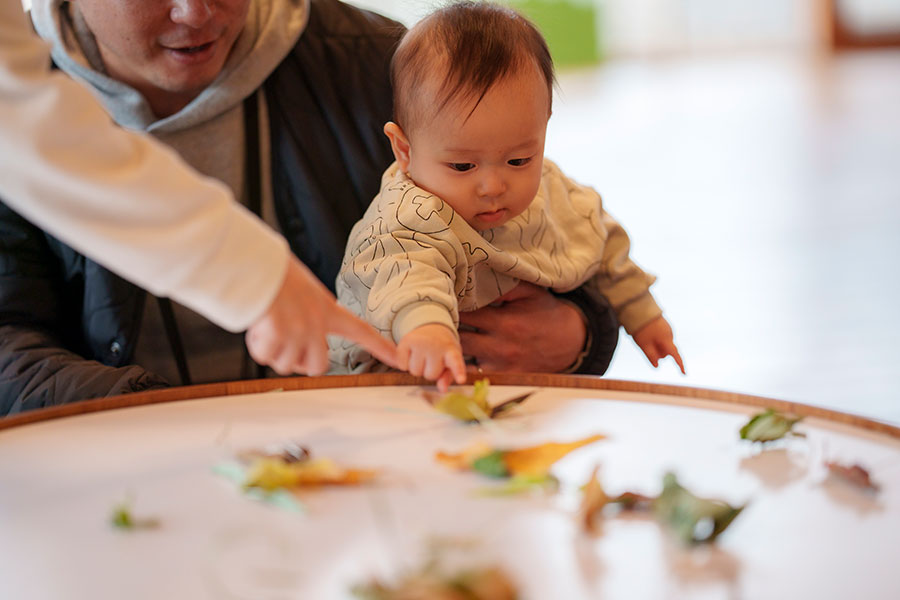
(169, 50)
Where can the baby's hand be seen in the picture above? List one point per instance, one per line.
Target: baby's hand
(656, 340)
(432, 351)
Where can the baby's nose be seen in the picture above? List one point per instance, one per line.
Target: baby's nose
(491, 185)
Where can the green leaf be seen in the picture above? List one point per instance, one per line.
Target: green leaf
(768, 426)
(491, 465)
(692, 519)
(464, 407)
(123, 519)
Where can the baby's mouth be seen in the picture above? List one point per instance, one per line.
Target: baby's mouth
(492, 215)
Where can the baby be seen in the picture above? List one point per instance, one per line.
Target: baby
(471, 207)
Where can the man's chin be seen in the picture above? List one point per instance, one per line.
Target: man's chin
(187, 84)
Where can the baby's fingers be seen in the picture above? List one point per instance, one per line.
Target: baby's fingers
(652, 354)
(456, 365)
(674, 354)
(443, 382)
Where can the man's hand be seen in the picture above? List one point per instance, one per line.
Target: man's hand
(532, 330)
(432, 351)
(657, 341)
(290, 336)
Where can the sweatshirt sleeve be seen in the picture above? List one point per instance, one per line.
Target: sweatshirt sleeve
(404, 266)
(123, 199)
(404, 280)
(624, 284)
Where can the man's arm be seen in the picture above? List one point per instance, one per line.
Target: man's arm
(37, 372)
(40, 323)
(122, 198)
(128, 202)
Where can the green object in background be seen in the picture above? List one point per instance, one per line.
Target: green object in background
(569, 26)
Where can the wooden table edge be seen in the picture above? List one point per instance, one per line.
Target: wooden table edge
(233, 388)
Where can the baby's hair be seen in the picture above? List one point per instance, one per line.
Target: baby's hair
(476, 43)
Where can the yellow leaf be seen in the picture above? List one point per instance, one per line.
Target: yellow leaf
(270, 474)
(273, 473)
(463, 461)
(534, 461)
(537, 460)
(464, 407)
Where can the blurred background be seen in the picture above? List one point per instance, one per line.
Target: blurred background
(751, 148)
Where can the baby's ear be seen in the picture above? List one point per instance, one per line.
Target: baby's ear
(399, 144)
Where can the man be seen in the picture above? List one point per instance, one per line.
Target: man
(91, 195)
(284, 101)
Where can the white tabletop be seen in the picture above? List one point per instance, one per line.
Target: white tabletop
(802, 535)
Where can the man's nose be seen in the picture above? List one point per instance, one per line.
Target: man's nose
(193, 13)
(491, 184)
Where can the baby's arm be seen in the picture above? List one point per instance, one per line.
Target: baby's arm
(657, 341)
(627, 288)
(432, 351)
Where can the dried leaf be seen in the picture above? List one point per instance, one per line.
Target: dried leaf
(595, 499)
(465, 407)
(592, 502)
(633, 501)
(690, 518)
(289, 452)
(489, 583)
(534, 461)
(274, 473)
(474, 408)
(768, 426)
(855, 474)
(507, 405)
(538, 459)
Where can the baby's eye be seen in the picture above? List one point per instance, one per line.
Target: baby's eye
(461, 167)
(519, 162)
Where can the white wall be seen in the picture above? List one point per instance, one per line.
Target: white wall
(654, 27)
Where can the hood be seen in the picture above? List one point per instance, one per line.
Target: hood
(272, 29)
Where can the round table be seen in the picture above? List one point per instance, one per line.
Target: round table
(803, 533)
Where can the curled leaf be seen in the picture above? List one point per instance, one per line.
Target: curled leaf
(592, 502)
(692, 519)
(768, 426)
(509, 404)
(475, 407)
(633, 501)
(595, 499)
(465, 407)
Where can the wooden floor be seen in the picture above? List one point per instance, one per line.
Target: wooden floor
(764, 192)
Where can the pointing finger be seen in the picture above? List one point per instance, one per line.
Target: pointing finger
(345, 324)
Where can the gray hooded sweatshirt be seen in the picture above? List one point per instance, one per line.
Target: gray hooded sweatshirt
(208, 133)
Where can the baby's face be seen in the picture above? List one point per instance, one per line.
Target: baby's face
(487, 166)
